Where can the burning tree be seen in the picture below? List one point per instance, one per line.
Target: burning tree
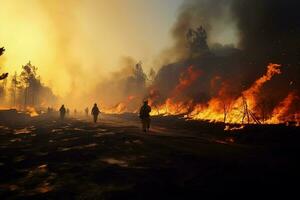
(197, 40)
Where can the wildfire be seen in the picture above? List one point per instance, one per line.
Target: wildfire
(172, 106)
(186, 79)
(282, 112)
(31, 111)
(120, 107)
(222, 107)
(117, 109)
(238, 110)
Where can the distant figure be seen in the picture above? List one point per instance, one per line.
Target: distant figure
(68, 111)
(145, 116)
(95, 112)
(62, 112)
(86, 110)
(75, 112)
(48, 110)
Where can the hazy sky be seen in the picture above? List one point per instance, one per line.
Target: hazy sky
(67, 38)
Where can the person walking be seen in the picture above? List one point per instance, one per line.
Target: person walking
(145, 116)
(95, 112)
(62, 112)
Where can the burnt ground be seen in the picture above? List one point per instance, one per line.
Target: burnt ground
(46, 159)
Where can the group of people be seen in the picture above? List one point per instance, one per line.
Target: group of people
(144, 114)
(95, 112)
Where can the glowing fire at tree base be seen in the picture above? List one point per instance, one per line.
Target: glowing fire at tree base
(242, 109)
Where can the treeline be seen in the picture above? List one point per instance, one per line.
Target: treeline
(26, 89)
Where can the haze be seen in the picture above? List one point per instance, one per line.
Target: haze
(76, 43)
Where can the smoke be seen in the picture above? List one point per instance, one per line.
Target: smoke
(62, 16)
(125, 86)
(214, 16)
(77, 44)
(269, 27)
(243, 37)
(269, 31)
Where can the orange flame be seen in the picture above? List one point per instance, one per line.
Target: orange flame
(187, 78)
(282, 113)
(120, 107)
(220, 109)
(224, 107)
(31, 111)
(172, 106)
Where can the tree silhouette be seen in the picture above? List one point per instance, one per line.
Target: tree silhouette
(197, 40)
(30, 83)
(14, 87)
(152, 75)
(4, 75)
(2, 51)
(139, 74)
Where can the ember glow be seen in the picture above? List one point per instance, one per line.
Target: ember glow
(31, 111)
(244, 108)
(239, 109)
(210, 68)
(283, 113)
(122, 107)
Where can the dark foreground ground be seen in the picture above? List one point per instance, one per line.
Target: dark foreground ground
(46, 159)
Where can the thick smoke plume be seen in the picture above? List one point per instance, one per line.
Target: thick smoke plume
(243, 37)
(267, 31)
(123, 90)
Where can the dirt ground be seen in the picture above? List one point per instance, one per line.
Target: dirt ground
(113, 159)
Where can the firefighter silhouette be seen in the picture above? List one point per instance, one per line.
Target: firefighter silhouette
(95, 112)
(145, 116)
(62, 112)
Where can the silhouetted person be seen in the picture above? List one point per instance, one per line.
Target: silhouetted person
(48, 110)
(62, 112)
(145, 116)
(95, 112)
(75, 112)
(86, 110)
(68, 111)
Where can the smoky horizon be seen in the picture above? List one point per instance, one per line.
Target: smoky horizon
(213, 54)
